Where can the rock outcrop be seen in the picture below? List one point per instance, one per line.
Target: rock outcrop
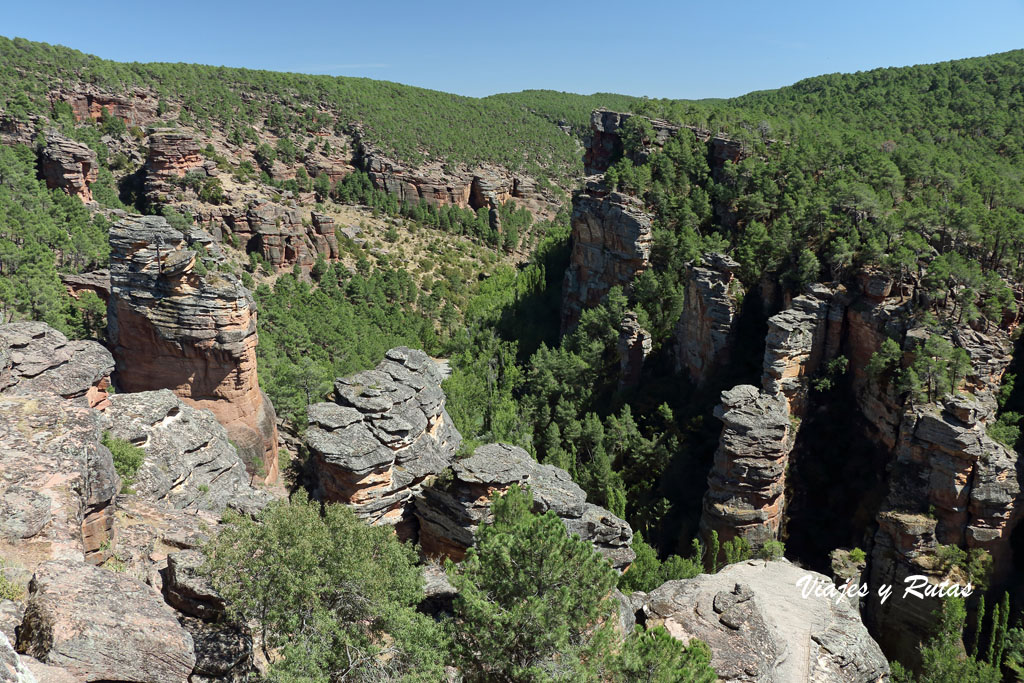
(103, 626)
(171, 155)
(605, 144)
(704, 335)
(97, 281)
(385, 433)
(634, 346)
(12, 669)
(172, 328)
(136, 107)
(69, 166)
(451, 508)
(189, 460)
(611, 244)
(747, 483)
(439, 185)
(761, 628)
(36, 359)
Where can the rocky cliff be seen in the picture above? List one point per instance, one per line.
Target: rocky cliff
(136, 107)
(704, 335)
(171, 155)
(747, 482)
(64, 509)
(611, 244)
(69, 166)
(173, 328)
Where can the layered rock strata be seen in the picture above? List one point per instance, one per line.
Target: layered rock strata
(189, 460)
(69, 166)
(137, 107)
(704, 335)
(36, 359)
(172, 328)
(746, 485)
(171, 155)
(385, 433)
(449, 512)
(611, 244)
(761, 628)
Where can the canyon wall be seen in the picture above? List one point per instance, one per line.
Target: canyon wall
(172, 328)
(611, 244)
(704, 335)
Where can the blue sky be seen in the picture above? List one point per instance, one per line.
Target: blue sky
(659, 49)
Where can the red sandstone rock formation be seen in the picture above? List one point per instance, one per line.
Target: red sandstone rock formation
(136, 107)
(171, 155)
(611, 245)
(70, 166)
(195, 335)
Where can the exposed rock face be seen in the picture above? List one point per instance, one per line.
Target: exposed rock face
(449, 513)
(189, 463)
(324, 236)
(57, 482)
(12, 669)
(103, 626)
(760, 627)
(36, 359)
(484, 187)
(605, 145)
(950, 484)
(196, 335)
(278, 233)
(187, 590)
(171, 156)
(611, 245)
(136, 107)
(69, 166)
(704, 333)
(796, 345)
(746, 486)
(97, 281)
(386, 432)
(634, 346)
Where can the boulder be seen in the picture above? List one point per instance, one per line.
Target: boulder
(760, 627)
(385, 433)
(12, 669)
(186, 590)
(451, 508)
(103, 626)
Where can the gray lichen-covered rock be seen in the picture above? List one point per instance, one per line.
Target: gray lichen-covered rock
(611, 244)
(102, 625)
(187, 590)
(70, 166)
(12, 669)
(189, 461)
(760, 627)
(224, 651)
(386, 432)
(57, 481)
(634, 346)
(37, 359)
(449, 512)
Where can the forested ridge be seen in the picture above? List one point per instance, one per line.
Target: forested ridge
(914, 173)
